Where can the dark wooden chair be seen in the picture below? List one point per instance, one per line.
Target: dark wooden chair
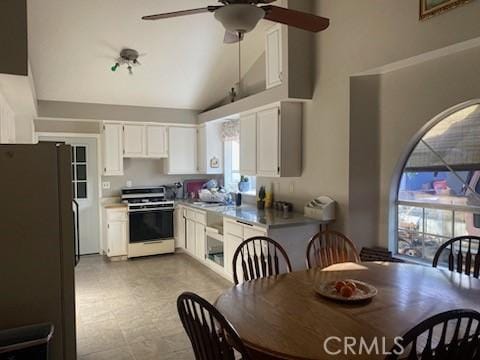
(462, 255)
(450, 335)
(330, 247)
(260, 257)
(211, 335)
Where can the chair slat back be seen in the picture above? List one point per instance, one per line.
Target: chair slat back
(211, 335)
(461, 254)
(260, 257)
(453, 334)
(330, 247)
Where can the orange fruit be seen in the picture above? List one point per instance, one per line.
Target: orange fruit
(339, 285)
(346, 291)
(351, 284)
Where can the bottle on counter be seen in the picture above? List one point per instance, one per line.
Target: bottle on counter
(269, 197)
(238, 199)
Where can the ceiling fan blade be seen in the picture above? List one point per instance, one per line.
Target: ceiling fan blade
(295, 18)
(181, 13)
(231, 37)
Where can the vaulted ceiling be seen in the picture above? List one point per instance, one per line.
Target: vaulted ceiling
(73, 44)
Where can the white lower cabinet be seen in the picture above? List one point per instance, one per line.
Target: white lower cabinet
(231, 243)
(190, 233)
(179, 227)
(195, 232)
(235, 233)
(116, 232)
(200, 239)
(197, 239)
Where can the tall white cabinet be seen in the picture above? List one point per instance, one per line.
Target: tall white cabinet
(271, 141)
(112, 146)
(268, 142)
(210, 148)
(273, 56)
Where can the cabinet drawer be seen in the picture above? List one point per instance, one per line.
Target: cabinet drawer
(190, 214)
(253, 232)
(201, 217)
(117, 215)
(234, 228)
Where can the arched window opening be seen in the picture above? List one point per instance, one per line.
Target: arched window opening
(439, 190)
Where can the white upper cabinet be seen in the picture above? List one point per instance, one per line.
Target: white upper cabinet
(202, 149)
(273, 56)
(210, 148)
(112, 143)
(267, 142)
(248, 144)
(134, 141)
(271, 141)
(156, 141)
(182, 150)
(145, 141)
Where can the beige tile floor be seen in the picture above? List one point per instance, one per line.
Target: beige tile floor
(127, 310)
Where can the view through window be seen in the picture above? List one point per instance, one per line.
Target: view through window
(232, 171)
(438, 196)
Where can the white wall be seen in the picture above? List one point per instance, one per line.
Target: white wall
(410, 98)
(363, 35)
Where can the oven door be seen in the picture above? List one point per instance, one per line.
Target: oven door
(150, 225)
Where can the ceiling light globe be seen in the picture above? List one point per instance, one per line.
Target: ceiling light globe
(239, 18)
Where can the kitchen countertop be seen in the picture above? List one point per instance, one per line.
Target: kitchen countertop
(268, 218)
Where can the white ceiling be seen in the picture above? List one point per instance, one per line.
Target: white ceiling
(74, 43)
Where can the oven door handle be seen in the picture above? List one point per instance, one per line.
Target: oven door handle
(151, 209)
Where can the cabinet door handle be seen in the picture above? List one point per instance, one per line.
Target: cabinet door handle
(244, 223)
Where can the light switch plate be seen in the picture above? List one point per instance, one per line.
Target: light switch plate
(106, 185)
(292, 187)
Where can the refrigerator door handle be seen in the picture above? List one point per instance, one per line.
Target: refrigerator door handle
(77, 232)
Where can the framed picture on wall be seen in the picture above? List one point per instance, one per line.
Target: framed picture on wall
(429, 8)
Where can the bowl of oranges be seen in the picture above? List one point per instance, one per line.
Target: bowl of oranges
(347, 290)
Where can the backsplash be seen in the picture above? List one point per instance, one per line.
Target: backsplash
(145, 172)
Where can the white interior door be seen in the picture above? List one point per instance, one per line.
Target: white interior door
(85, 189)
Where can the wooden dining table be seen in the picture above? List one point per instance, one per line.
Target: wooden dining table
(282, 317)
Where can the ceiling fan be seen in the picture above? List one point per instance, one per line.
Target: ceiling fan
(238, 17)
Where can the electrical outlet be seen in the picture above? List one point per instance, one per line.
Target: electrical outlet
(129, 183)
(291, 188)
(106, 185)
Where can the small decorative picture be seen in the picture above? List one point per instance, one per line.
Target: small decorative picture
(429, 8)
(214, 163)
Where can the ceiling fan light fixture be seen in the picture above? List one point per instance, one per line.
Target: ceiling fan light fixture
(239, 18)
